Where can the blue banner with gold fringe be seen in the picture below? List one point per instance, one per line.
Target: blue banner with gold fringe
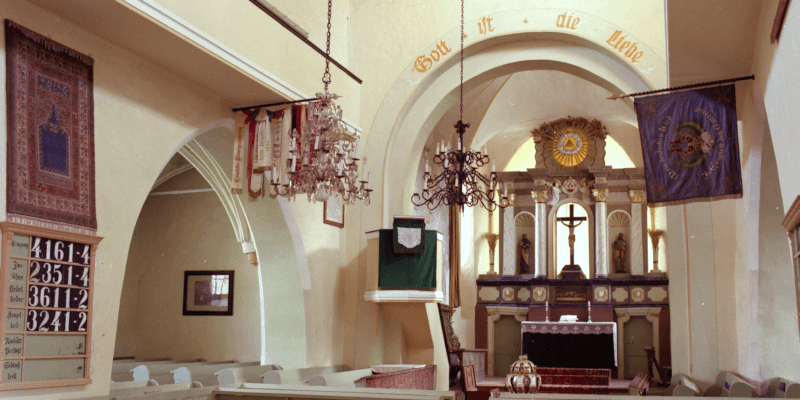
(690, 145)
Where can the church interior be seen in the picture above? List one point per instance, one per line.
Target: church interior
(209, 255)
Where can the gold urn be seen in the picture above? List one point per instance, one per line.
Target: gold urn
(523, 377)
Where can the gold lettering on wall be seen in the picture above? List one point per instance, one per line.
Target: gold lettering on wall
(485, 25)
(619, 43)
(567, 22)
(425, 62)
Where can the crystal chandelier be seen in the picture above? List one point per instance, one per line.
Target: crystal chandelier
(325, 153)
(458, 181)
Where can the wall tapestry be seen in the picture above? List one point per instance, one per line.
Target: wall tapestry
(50, 131)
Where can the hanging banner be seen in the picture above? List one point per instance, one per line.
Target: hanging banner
(239, 147)
(690, 145)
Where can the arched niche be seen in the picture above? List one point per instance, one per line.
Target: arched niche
(417, 100)
(618, 222)
(555, 242)
(524, 224)
(208, 151)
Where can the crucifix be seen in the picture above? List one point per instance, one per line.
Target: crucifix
(569, 222)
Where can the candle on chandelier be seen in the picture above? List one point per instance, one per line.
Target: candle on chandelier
(459, 144)
(340, 168)
(316, 144)
(274, 174)
(294, 162)
(355, 148)
(505, 193)
(492, 166)
(437, 147)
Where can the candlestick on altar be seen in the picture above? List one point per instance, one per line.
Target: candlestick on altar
(546, 311)
(589, 304)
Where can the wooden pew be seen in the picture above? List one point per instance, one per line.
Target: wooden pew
(681, 386)
(170, 375)
(341, 379)
(300, 375)
(255, 391)
(127, 366)
(137, 372)
(730, 385)
(230, 376)
(783, 388)
(203, 393)
(133, 384)
(639, 385)
(148, 390)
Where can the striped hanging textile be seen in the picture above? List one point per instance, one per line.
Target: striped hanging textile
(286, 139)
(254, 183)
(238, 153)
(262, 159)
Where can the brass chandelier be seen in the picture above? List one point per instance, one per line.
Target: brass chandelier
(458, 181)
(326, 153)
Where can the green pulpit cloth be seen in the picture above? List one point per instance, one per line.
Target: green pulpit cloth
(406, 270)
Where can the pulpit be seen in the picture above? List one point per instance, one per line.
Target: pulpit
(570, 344)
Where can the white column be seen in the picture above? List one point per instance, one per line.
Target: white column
(509, 242)
(540, 241)
(637, 241)
(600, 229)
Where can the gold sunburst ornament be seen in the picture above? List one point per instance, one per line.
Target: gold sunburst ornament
(572, 142)
(570, 148)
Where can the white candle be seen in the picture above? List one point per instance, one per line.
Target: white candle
(506, 192)
(274, 174)
(492, 166)
(294, 162)
(316, 144)
(459, 144)
(437, 148)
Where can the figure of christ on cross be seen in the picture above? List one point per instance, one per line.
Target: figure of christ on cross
(570, 222)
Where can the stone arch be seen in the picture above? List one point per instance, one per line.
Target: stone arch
(417, 101)
(206, 149)
(551, 239)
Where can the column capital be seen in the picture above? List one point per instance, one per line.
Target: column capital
(539, 195)
(637, 196)
(600, 195)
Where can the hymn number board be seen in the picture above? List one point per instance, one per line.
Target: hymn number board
(47, 281)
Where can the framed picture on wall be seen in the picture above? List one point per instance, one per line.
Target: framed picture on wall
(333, 212)
(208, 293)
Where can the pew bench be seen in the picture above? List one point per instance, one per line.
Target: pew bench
(639, 385)
(783, 388)
(183, 373)
(229, 376)
(255, 391)
(300, 375)
(681, 386)
(341, 379)
(419, 378)
(146, 390)
(730, 385)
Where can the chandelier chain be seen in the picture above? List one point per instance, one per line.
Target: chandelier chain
(461, 85)
(326, 77)
(456, 179)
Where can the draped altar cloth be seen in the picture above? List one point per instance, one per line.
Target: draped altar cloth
(570, 344)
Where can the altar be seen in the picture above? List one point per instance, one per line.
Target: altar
(570, 344)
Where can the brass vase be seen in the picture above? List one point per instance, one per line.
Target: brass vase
(523, 377)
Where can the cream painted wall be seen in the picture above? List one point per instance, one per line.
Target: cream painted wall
(253, 34)
(142, 113)
(176, 233)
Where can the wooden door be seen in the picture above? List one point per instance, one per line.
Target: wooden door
(638, 335)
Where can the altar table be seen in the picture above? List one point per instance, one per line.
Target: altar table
(570, 344)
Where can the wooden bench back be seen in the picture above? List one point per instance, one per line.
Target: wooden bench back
(784, 388)
(346, 379)
(254, 391)
(299, 375)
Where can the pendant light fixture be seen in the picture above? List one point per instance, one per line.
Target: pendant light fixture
(324, 159)
(458, 181)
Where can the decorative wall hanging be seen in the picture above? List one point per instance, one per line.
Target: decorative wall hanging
(570, 143)
(690, 145)
(50, 132)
